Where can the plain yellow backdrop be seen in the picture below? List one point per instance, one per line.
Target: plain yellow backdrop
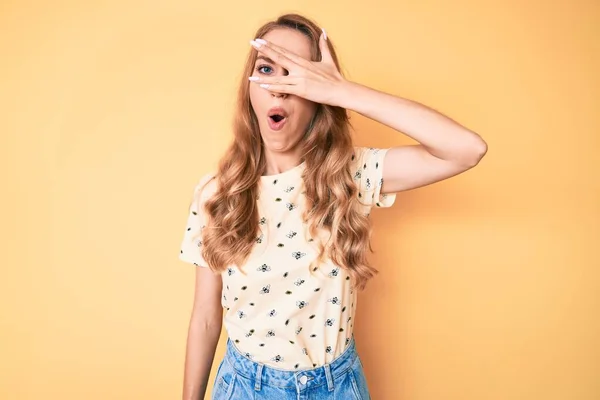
(112, 110)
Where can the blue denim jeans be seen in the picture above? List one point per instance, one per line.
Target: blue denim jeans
(239, 378)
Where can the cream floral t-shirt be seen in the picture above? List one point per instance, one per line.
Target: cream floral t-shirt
(281, 313)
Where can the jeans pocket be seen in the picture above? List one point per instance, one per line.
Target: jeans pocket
(224, 382)
(359, 381)
(355, 389)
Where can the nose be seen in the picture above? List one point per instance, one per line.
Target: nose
(276, 95)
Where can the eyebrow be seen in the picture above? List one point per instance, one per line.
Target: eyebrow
(267, 59)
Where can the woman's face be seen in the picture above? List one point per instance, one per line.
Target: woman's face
(281, 136)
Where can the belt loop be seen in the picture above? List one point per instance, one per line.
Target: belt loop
(258, 377)
(329, 377)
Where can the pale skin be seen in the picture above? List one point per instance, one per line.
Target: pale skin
(445, 148)
(203, 333)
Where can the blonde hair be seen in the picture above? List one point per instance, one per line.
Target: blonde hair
(232, 215)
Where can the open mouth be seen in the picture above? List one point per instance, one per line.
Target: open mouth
(277, 118)
(277, 122)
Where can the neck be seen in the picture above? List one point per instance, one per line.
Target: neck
(281, 162)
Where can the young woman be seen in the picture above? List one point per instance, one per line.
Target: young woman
(280, 231)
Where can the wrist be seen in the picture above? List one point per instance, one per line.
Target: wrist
(346, 94)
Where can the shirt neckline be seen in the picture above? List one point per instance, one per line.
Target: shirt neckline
(294, 171)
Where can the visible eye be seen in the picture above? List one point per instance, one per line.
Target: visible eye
(260, 67)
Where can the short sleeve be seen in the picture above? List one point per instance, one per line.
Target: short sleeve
(191, 245)
(367, 172)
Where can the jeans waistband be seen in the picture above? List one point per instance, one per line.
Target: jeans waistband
(262, 374)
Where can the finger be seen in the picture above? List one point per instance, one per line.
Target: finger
(275, 80)
(264, 47)
(324, 46)
(290, 89)
(288, 54)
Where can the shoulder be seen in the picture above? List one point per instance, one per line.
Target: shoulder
(361, 152)
(356, 156)
(362, 156)
(206, 187)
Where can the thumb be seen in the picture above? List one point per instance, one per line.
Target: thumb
(324, 46)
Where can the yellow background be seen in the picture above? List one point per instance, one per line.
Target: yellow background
(112, 110)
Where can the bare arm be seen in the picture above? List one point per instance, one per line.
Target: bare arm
(203, 333)
(445, 149)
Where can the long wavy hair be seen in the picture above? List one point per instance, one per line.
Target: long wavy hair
(232, 212)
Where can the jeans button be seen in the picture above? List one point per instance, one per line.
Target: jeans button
(303, 379)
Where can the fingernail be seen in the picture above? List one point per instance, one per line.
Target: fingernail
(253, 78)
(255, 44)
(324, 33)
(264, 85)
(261, 41)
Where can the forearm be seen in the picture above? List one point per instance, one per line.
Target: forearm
(440, 135)
(200, 351)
